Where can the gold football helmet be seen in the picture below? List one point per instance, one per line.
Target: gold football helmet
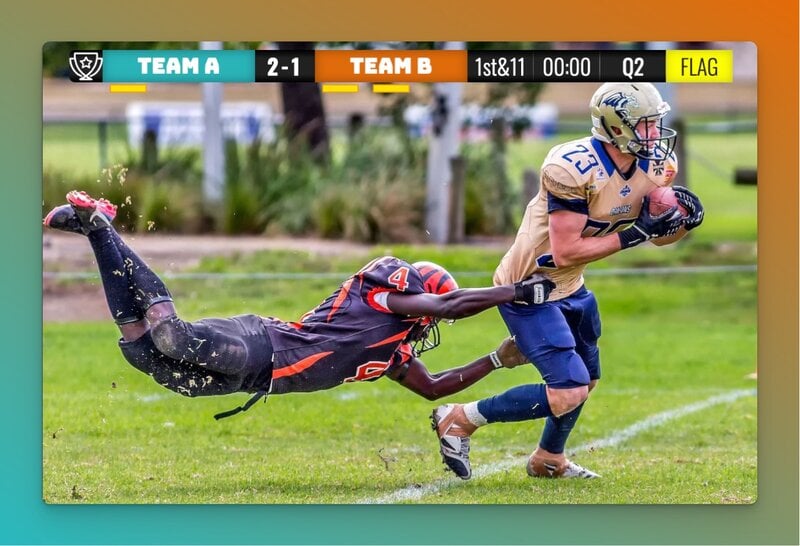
(618, 108)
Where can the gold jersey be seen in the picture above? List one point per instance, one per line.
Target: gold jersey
(579, 176)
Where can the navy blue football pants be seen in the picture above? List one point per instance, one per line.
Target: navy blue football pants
(559, 337)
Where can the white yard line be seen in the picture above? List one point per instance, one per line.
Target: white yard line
(612, 440)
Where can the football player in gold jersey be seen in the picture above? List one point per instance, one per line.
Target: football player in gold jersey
(592, 203)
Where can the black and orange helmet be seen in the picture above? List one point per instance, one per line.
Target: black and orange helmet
(436, 280)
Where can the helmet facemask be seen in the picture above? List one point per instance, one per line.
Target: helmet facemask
(658, 148)
(425, 335)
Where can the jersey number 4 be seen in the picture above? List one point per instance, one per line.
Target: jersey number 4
(399, 279)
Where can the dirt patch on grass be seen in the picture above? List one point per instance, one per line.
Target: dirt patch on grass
(73, 302)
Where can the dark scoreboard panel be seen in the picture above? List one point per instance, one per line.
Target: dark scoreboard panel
(566, 66)
(393, 66)
(284, 66)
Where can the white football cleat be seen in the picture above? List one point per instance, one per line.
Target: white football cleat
(577, 471)
(541, 468)
(453, 441)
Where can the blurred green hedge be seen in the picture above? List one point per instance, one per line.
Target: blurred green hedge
(372, 190)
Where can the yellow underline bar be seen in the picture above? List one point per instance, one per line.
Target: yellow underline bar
(391, 88)
(128, 88)
(339, 87)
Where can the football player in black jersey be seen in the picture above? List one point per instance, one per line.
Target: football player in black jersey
(376, 323)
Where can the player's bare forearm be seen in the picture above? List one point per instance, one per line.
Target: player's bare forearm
(457, 304)
(435, 386)
(569, 246)
(584, 250)
(467, 302)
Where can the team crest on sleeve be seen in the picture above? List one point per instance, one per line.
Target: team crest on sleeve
(660, 168)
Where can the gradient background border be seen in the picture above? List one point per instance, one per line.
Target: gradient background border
(24, 28)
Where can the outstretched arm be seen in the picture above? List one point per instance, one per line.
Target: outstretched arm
(415, 376)
(466, 302)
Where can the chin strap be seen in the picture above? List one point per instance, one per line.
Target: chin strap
(244, 407)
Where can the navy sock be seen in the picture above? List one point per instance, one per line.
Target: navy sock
(557, 429)
(119, 296)
(147, 287)
(518, 404)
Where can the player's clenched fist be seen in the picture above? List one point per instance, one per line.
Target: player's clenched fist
(509, 355)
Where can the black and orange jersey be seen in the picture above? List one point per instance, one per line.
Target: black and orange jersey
(350, 336)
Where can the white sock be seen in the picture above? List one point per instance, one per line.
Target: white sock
(473, 415)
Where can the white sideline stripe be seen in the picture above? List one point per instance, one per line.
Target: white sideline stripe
(616, 438)
(67, 275)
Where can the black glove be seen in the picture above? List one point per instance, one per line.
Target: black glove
(692, 204)
(647, 226)
(533, 290)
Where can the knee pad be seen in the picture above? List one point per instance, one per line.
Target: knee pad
(563, 369)
(171, 337)
(205, 342)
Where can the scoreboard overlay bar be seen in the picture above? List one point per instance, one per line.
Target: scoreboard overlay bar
(397, 67)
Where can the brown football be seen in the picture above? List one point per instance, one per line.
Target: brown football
(663, 199)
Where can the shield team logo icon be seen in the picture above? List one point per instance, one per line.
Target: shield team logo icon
(86, 66)
(625, 191)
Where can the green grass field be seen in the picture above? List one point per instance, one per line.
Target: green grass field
(112, 435)
(673, 419)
